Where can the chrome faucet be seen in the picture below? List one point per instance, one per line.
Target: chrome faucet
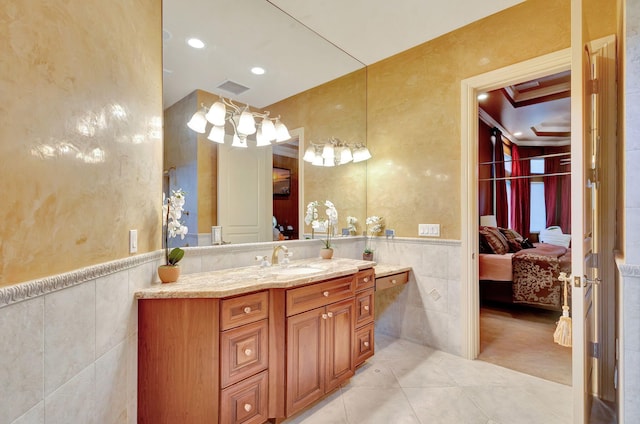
(276, 249)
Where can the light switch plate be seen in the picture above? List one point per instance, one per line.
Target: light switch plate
(429, 230)
(133, 241)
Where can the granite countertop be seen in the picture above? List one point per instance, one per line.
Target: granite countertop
(383, 270)
(233, 281)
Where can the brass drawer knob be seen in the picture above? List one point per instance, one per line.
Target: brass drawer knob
(366, 307)
(325, 294)
(248, 352)
(324, 316)
(365, 279)
(248, 407)
(393, 281)
(366, 344)
(247, 309)
(330, 314)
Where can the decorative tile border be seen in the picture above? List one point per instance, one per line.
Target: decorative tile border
(254, 247)
(628, 270)
(34, 288)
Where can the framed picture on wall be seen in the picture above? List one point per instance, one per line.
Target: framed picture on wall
(281, 182)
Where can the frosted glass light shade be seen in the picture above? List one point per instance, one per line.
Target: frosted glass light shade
(361, 154)
(488, 221)
(282, 133)
(345, 155)
(239, 141)
(309, 154)
(217, 113)
(216, 134)
(268, 129)
(328, 152)
(261, 140)
(318, 161)
(247, 124)
(198, 122)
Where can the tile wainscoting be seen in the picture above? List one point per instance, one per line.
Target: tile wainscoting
(427, 309)
(70, 345)
(629, 364)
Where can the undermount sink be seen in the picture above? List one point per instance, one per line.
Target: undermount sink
(300, 270)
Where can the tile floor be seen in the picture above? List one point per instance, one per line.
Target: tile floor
(408, 383)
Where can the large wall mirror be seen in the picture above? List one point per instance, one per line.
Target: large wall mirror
(318, 91)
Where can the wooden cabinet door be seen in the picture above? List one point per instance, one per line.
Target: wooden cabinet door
(364, 307)
(340, 322)
(305, 359)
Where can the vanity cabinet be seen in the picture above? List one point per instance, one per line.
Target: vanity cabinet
(320, 334)
(247, 358)
(203, 360)
(364, 327)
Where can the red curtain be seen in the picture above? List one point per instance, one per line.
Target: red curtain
(551, 166)
(557, 190)
(520, 193)
(502, 210)
(565, 200)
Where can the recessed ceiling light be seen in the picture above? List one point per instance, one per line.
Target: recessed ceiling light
(517, 133)
(483, 96)
(196, 43)
(257, 70)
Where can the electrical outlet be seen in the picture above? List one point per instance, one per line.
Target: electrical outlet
(133, 241)
(390, 233)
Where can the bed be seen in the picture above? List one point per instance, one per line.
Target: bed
(523, 276)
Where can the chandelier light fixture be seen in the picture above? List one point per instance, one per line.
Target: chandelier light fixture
(243, 122)
(335, 152)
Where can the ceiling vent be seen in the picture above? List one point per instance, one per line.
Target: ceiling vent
(233, 87)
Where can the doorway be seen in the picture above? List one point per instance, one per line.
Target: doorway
(536, 68)
(524, 187)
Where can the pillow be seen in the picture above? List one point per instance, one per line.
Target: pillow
(495, 240)
(514, 240)
(484, 246)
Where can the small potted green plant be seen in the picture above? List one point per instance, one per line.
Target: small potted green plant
(172, 209)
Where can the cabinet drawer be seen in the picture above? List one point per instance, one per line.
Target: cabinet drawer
(392, 280)
(365, 279)
(364, 307)
(364, 344)
(244, 351)
(320, 294)
(246, 402)
(244, 309)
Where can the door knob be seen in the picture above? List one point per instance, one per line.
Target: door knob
(588, 280)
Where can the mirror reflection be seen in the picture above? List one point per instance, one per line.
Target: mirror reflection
(315, 89)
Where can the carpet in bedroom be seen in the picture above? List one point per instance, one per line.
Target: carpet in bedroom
(521, 339)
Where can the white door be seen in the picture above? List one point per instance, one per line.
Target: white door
(245, 198)
(588, 118)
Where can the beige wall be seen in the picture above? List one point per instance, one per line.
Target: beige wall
(192, 163)
(414, 111)
(336, 109)
(80, 133)
(413, 107)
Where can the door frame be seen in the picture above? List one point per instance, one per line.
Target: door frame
(470, 88)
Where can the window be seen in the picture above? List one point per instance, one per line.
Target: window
(538, 212)
(537, 207)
